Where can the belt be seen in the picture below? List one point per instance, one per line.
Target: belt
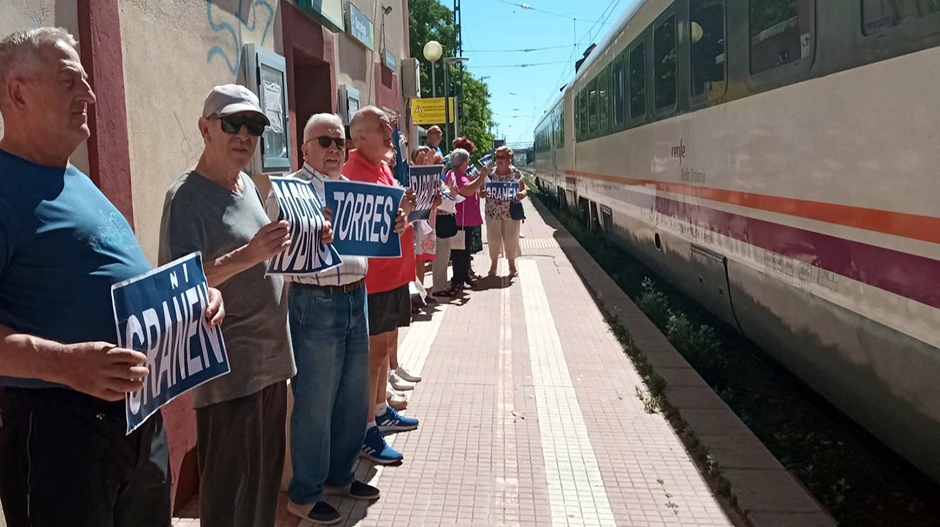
(346, 288)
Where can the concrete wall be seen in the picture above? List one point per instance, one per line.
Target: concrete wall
(29, 14)
(356, 64)
(175, 51)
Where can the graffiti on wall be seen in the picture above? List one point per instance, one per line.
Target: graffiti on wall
(260, 10)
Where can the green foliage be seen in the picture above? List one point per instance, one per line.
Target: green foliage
(429, 20)
(654, 304)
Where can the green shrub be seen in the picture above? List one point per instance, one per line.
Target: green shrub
(654, 304)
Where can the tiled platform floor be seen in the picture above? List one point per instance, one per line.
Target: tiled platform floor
(529, 416)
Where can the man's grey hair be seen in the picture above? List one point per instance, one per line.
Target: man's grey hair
(358, 120)
(317, 119)
(458, 157)
(21, 53)
(435, 130)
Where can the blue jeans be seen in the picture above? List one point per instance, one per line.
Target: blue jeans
(330, 335)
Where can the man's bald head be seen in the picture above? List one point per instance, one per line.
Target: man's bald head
(372, 132)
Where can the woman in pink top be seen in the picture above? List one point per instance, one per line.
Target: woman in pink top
(469, 217)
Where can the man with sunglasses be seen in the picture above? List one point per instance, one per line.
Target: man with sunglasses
(240, 417)
(330, 334)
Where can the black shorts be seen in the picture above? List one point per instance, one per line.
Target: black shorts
(389, 310)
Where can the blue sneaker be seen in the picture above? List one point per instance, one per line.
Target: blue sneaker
(376, 450)
(392, 421)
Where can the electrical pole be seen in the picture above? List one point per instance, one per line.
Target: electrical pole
(458, 52)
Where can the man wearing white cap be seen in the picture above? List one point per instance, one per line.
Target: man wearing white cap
(240, 417)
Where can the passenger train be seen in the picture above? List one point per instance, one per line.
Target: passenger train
(778, 161)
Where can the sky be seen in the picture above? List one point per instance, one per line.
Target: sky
(493, 31)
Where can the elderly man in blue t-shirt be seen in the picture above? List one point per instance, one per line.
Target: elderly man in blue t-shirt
(64, 454)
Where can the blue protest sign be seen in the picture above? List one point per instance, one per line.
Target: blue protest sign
(487, 160)
(364, 218)
(161, 314)
(502, 190)
(426, 180)
(300, 206)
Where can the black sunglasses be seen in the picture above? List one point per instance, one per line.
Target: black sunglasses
(325, 140)
(232, 124)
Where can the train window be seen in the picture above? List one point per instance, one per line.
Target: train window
(592, 108)
(603, 101)
(781, 32)
(638, 82)
(664, 63)
(878, 15)
(617, 93)
(577, 100)
(584, 117)
(707, 35)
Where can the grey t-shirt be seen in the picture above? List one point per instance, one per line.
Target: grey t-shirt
(201, 215)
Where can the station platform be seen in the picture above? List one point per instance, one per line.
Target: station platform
(530, 415)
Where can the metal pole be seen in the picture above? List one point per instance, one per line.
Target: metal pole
(446, 111)
(433, 83)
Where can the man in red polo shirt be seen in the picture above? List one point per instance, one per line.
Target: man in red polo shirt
(386, 282)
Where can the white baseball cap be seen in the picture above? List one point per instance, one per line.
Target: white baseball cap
(232, 98)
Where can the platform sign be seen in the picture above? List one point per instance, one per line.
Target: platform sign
(502, 190)
(299, 205)
(431, 111)
(426, 180)
(364, 218)
(162, 314)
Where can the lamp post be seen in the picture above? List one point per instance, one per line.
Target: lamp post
(432, 52)
(448, 61)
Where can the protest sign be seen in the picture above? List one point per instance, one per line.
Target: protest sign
(426, 180)
(487, 160)
(301, 207)
(364, 218)
(502, 190)
(161, 314)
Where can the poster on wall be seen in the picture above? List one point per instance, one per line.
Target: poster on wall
(162, 314)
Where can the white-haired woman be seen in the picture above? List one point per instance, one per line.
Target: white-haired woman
(469, 219)
(502, 232)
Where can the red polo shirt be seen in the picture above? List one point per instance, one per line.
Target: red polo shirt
(384, 274)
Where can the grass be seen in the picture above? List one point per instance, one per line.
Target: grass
(860, 482)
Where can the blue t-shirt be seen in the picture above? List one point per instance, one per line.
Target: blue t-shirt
(62, 245)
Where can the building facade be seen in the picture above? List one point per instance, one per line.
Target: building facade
(151, 64)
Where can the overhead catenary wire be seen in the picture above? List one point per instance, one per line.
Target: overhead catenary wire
(524, 65)
(523, 50)
(528, 7)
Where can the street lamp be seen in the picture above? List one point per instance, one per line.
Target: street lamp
(432, 52)
(448, 61)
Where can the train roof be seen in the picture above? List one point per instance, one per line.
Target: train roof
(602, 44)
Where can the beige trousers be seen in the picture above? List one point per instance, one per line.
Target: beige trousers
(503, 235)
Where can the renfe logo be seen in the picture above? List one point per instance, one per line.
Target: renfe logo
(678, 152)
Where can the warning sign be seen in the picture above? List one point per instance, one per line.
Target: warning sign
(430, 111)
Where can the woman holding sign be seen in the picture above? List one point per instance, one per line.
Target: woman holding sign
(502, 231)
(469, 219)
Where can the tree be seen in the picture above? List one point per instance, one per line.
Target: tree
(429, 20)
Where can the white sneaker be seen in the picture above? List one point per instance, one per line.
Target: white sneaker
(389, 391)
(398, 383)
(396, 400)
(407, 375)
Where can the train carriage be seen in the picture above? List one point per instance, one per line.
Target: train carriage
(778, 161)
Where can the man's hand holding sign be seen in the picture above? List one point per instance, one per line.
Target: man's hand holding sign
(311, 232)
(167, 314)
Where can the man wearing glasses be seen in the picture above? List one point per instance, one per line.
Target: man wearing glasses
(240, 417)
(330, 334)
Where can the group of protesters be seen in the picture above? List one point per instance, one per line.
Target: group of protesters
(65, 456)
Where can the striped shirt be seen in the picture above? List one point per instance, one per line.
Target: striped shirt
(352, 269)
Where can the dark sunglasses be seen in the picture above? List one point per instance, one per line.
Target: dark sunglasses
(325, 140)
(502, 157)
(232, 124)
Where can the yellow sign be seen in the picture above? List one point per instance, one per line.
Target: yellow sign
(430, 111)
